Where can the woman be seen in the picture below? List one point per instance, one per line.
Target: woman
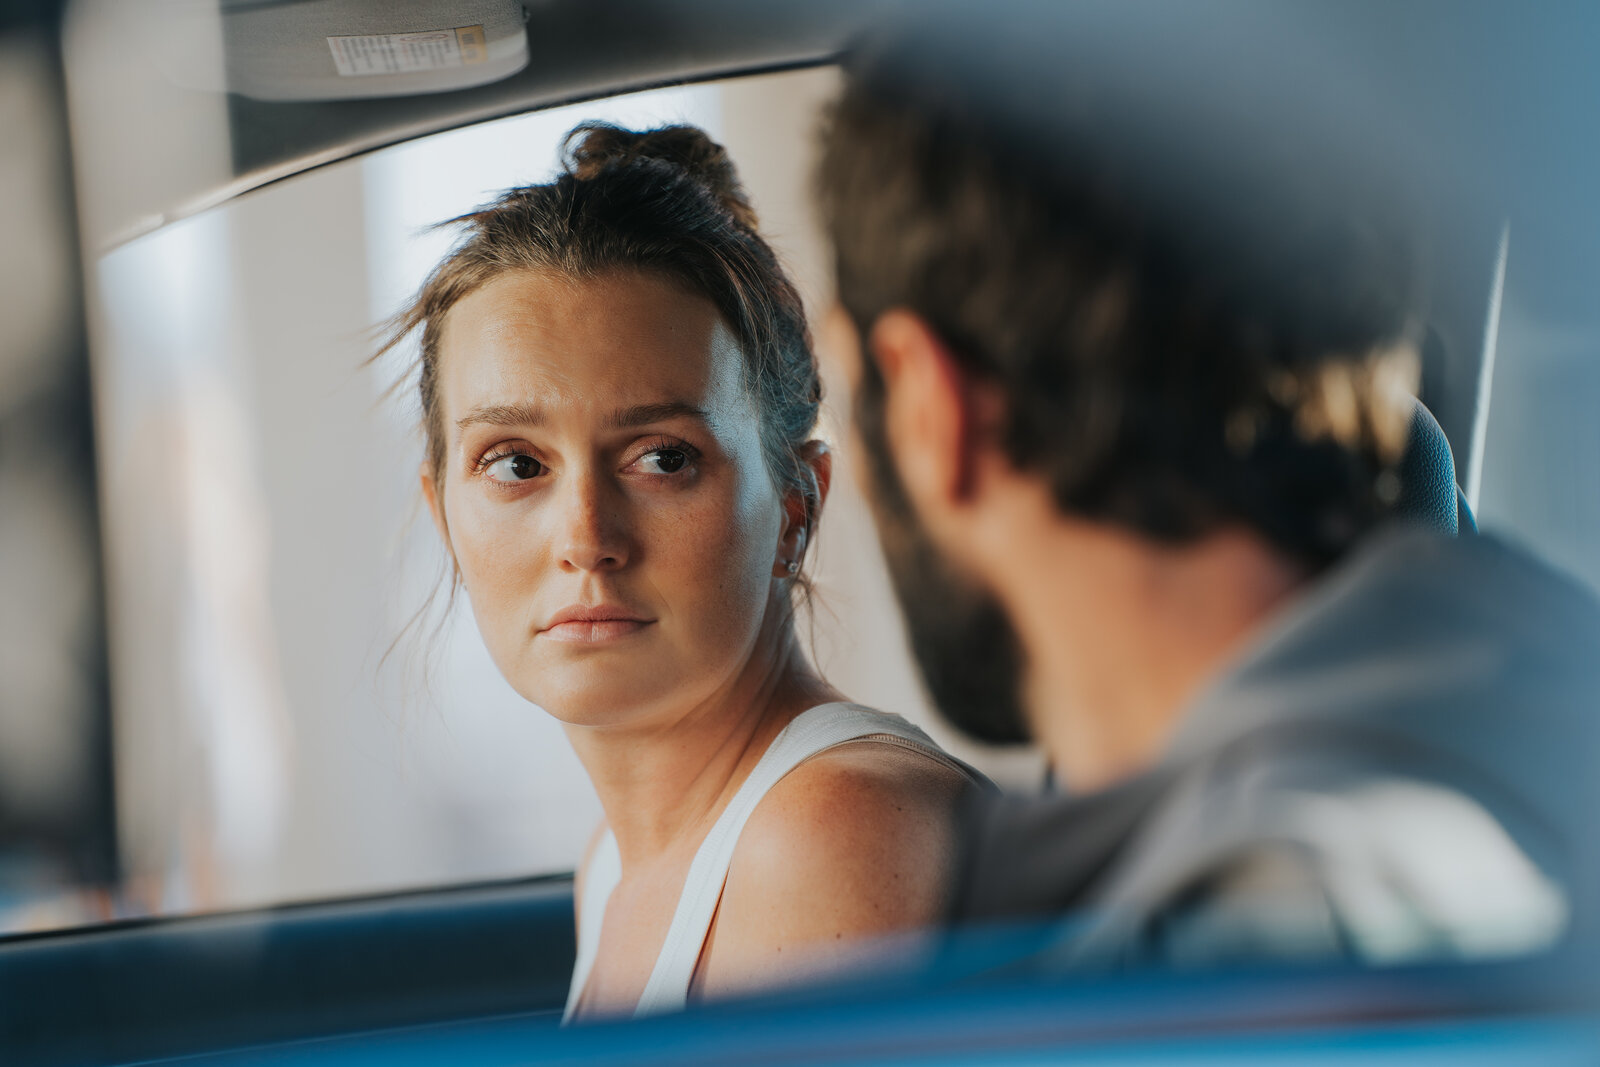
(618, 394)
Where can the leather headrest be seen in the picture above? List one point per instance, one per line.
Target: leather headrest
(1427, 472)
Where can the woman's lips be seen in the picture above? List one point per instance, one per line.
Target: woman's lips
(594, 624)
(593, 631)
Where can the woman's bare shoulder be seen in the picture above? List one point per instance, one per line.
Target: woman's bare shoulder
(889, 777)
(855, 841)
(855, 844)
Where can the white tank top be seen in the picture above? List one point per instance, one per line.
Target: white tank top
(811, 732)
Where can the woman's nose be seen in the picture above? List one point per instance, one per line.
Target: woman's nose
(593, 534)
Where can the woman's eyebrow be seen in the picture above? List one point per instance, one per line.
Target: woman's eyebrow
(531, 415)
(644, 414)
(502, 415)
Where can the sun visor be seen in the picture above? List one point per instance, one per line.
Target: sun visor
(344, 49)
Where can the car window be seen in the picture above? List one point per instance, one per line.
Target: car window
(1541, 447)
(293, 718)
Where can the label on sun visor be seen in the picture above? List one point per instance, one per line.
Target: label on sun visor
(408, 53)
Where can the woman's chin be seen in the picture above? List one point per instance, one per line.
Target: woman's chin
(601, 702)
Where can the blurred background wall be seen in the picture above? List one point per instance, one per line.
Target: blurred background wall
(55, 789)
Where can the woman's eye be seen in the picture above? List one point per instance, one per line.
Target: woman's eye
(664, 461)
(517, 468)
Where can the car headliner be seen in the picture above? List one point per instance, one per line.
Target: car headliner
(1439, 57)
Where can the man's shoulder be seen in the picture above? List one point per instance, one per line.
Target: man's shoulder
(1397, 769)
(1285, 855)
(1479, 582)
(1266, 859)
(1462, 662)
(1407, 757)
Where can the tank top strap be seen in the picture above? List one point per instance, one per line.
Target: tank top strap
(811, 732)
(605, 871)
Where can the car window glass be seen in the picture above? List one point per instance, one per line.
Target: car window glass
(280, 734)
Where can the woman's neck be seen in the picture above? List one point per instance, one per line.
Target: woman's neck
(662, 784)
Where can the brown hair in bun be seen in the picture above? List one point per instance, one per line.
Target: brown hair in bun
(593, 147)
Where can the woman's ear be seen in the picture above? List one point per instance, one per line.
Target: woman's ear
(818, 457)
(802, 506)
(433, 493)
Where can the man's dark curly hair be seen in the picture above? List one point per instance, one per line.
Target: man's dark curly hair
(1198, 314)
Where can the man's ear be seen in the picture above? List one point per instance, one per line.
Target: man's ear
(930, 411)
(803, 506)
(433, 493)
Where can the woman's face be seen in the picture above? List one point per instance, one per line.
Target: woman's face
(604, 494)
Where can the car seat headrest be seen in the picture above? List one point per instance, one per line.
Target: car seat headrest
(1428, 491)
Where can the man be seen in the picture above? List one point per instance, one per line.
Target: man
(1135, 348)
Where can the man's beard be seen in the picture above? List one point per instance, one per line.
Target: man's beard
(965, 647)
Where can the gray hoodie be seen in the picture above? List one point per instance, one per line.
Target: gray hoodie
(1402, 767)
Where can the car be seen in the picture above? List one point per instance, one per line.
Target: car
(255, 850)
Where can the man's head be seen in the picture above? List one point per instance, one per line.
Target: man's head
(1151, 293)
